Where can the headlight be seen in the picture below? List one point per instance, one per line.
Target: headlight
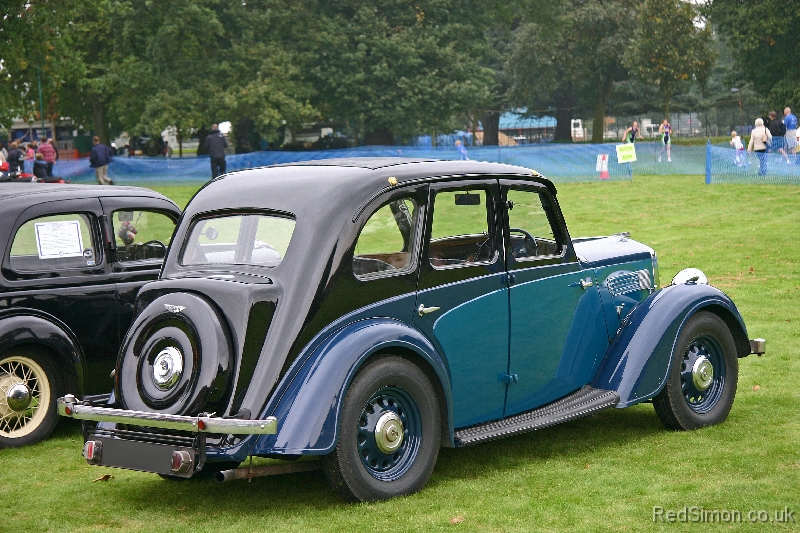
(693, 275)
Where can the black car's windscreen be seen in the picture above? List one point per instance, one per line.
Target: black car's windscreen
(238, 240)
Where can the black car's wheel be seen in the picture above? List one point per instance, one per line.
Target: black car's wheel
(175, 358)
(389, 433)
(702, 378)
(29, 386)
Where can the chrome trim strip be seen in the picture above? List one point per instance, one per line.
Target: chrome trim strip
(225, 426)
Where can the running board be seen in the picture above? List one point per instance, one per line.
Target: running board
(583, 402)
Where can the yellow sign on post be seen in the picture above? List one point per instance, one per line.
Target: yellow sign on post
(626, 153)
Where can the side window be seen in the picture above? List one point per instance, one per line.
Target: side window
(460, 230)
(386, 241)
(53, 243)
(141, 235)
(529, 226)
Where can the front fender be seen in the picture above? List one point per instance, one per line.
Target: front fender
(638, 360)
(309, 404)
(21, 326)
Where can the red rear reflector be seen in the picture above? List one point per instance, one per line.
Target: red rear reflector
(181, 461)
(92, 450)
(201, 425)
(68, 410)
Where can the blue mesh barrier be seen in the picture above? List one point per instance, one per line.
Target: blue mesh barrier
(725, 167)
(559, 162)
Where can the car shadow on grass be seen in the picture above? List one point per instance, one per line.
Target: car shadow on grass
(290, 493)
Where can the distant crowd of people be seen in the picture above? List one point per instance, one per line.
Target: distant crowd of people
(775, 135)
(37, 158)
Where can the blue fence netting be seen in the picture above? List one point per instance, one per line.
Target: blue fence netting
(559, 162)
(724, 165)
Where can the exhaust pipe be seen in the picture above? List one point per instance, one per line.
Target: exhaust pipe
(268, 470)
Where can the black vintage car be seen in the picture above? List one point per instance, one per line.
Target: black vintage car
(370, 311)
(74, 257)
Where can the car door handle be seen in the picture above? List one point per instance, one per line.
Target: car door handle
(422, 310)
(584, 283)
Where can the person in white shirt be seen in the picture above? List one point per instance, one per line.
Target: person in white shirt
(739, 159)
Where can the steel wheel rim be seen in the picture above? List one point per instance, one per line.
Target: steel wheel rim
(395, 411)
(702, 352)
(13, 371)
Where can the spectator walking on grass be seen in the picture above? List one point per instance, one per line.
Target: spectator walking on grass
(49, 154)
(759, 139)
(778, 131)
(462, 151)
(216, 143)
(99, 160)
(739, 159)
(790, 122)
(665, 129)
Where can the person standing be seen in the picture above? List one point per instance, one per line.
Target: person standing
(631, 133)
(462, 151)
(739, 159)
(790, 122)
(665, 129)
(99, 160)
(49, 155)
(15, 158)
(778, 131)
(216, 143)
(30, 156)
(759, 139)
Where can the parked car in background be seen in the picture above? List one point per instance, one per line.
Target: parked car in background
(74, 258)
(143, 145)
(370, 311)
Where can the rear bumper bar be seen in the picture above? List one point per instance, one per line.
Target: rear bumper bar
(70, 406)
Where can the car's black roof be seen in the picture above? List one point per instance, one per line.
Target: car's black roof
(345, 184)
(45, 192)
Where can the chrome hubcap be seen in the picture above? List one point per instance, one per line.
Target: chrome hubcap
(18, 397)
(389, 432)
(702, 373)
(167, 368)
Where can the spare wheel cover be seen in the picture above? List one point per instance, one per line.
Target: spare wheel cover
(177, 350)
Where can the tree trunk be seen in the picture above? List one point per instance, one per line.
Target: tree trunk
(379, 137)
(667, 98)
(599, 120)
(179, 135)
(491, 128)
(99, 119)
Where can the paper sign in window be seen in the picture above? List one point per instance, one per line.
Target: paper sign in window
(59, 239)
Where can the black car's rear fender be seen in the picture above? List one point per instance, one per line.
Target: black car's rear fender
(638, 359)
(33, 328)
(308, 402)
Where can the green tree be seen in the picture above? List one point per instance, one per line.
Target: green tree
(395, 69)
(765, 39)
(669, 47)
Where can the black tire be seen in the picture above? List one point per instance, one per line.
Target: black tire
(195, 333)
(397, 394)
(693, 396)
(39, 384)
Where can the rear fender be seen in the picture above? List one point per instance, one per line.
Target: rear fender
(308, 402)
(33, 328)
(638, 359)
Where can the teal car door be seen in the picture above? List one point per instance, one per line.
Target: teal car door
(557, 329)
(462, 298)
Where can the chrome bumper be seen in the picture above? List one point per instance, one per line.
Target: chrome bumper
(758, 347)
(71, 407)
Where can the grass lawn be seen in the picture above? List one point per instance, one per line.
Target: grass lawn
(604, 473)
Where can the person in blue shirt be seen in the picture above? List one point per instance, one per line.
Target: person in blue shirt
(462, 151)
(790, 121)
(99, 160)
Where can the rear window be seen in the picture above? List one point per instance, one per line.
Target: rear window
(250, 239)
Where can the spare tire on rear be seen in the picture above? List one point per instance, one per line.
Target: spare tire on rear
(175, 358)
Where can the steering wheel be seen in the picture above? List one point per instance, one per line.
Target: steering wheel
(139, 251)
(517, 251)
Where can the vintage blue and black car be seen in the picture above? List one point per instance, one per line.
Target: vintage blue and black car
(370, 311)
(74, 257)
